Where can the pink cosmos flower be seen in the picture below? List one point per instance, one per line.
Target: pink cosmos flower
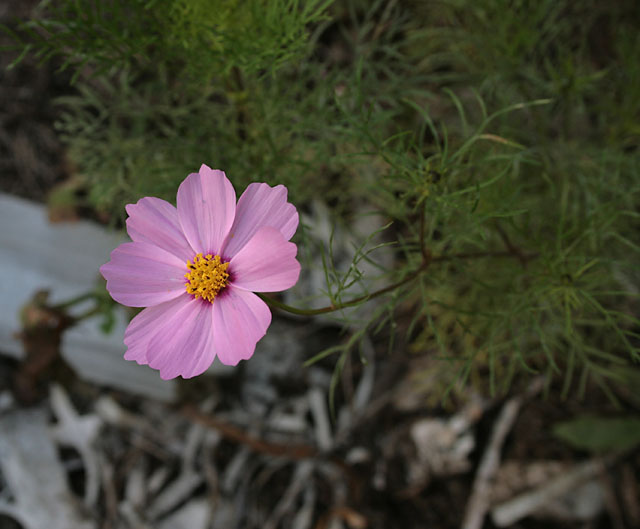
(195, 268)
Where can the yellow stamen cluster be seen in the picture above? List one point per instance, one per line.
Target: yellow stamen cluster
(207, 276)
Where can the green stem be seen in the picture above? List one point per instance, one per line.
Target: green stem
(428, 259)
(87, 314)
(332, 308)
(74, 301)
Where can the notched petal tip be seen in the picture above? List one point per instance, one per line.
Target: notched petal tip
(207, 171)
(206, 204)
(234, 361)
(296, 268)
(168, 376)
(102, 270)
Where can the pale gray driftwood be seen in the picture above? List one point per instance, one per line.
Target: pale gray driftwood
(536, 500)
(489, 464)
(193, 515)
(35, 476)
(64, 258)
(80, 432)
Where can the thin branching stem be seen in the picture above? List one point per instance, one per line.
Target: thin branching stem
(427, 260)
(87, 314)
(74, 301)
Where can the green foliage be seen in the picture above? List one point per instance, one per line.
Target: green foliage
(499, 138)
(198, 38)
(600, 434)
(254, 35)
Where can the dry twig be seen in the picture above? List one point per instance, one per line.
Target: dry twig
(511, 511)
(478, 504)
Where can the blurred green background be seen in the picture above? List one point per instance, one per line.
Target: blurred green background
(500, 136)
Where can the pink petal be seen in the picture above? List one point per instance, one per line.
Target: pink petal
(147, 323)
(267, 263)
(175, 337)
(260, 205)
(183, 346)
(155, 221)
(206, 208)
(240, 319)
(142, 275)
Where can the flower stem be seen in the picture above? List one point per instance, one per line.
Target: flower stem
(427, 260)
(356, 301)
(87, 314)
(65, 305)
(74, 301)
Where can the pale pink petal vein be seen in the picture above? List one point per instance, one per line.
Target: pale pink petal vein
(238, 309)
(142, 275)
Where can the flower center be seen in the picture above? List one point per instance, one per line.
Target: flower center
(207, 276)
